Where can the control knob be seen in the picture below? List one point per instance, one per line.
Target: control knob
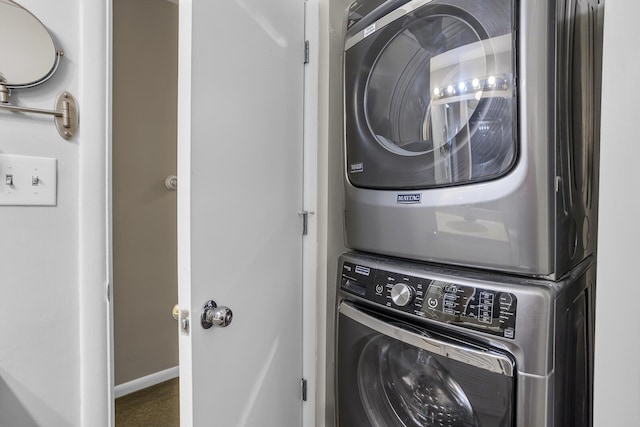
(402, 294)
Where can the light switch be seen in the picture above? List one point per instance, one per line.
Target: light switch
(29, 181)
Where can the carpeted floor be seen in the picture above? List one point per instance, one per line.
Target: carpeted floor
(157, 406)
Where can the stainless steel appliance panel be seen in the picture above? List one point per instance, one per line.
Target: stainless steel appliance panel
(550, 341)
(537, 215)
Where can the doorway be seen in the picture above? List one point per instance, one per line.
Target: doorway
(145, 284)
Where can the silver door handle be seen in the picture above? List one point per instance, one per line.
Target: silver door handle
(212, 315)
(489, 361)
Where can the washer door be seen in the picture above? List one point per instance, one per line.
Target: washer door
(401, 383)
(389, 375)
(429, 96)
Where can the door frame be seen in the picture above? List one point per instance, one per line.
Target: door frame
(95, 376)
(312, 293)
(95, 249)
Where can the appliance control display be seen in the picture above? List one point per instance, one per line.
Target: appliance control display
(471, 307)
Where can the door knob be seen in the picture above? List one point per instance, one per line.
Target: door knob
(212, 315)
(171, 183)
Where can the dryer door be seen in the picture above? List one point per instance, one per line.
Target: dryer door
(390, 375)
(430, 96)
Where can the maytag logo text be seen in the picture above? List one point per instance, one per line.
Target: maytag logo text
(409, 198)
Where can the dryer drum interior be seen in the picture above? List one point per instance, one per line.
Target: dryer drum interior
(431, 98)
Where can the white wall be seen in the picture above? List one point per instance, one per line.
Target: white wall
(617, 363)
(43, 325)
(330, 197)
(322, 370)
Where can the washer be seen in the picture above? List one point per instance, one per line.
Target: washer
(421, 345)
(472, 132)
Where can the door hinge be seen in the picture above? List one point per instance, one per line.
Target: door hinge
(109, 292)
(303, 385)
(306, 51)
(305, 221)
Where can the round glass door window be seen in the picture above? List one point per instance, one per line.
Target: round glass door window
(402, 385)
(437, 99)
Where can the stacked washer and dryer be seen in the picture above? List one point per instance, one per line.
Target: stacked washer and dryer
(471, 193)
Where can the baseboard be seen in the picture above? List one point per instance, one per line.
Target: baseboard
(144, 382)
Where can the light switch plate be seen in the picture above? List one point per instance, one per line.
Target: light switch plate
(28, 181)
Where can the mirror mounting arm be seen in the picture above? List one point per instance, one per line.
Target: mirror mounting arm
(65, 114)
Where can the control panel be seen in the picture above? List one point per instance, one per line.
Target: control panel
(472, 307)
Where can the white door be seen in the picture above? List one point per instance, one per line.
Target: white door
(240, 194)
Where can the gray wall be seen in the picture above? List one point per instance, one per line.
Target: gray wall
(144, 211)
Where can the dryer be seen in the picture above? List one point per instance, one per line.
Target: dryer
(421, 345)
(472, 132)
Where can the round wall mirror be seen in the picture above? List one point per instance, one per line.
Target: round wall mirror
(28, 55)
